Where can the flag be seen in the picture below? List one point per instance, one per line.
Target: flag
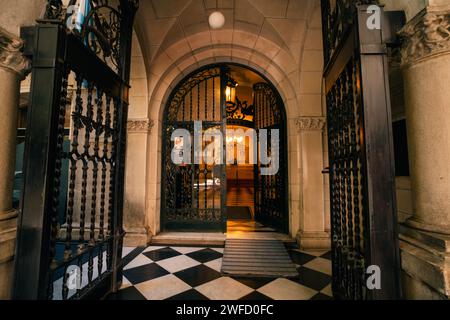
(83, 12)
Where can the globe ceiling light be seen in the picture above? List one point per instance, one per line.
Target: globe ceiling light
(216, 20)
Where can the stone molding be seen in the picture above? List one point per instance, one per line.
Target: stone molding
(310, 123)
(11, 57)
(11, 214)
(426, 35)
(140, 125)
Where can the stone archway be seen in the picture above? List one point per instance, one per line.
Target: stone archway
(286, 90)
(188, 202)
(296, 75)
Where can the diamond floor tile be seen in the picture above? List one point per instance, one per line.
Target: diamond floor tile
(190, 295)
(284, 289)
(162, 288)
(161, 254)
(140, 260)
(198, 275)
(313, 279)
(320, 264)
(178, 263)
(224, 288)
(255, 296)
(144, 273)
(205, 255)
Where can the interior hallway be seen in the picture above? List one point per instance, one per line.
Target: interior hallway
(243, 196)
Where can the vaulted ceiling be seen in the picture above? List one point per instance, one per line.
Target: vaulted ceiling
(281, 39)
(163, 23)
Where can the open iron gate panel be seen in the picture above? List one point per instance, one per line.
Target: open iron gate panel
(70, 232)
(271, 207)
(194, 194)
(362, 177)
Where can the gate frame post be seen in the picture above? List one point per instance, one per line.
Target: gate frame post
(380, 161)
(33, 241)
(129, 9)
(380, 234)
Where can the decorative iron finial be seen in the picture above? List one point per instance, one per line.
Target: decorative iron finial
(54, 10)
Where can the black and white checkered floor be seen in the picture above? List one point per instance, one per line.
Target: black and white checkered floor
(193, 273)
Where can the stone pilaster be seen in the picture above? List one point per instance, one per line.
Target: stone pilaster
(13, 68)
(425, 238)
(135, 213)
(140, 126)
(312, 233)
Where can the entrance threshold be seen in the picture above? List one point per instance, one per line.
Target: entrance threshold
(215, 239)
(189, 238)
(253, 230)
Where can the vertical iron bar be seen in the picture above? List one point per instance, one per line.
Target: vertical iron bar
(223, 88)
(85, 160)
(74, 157)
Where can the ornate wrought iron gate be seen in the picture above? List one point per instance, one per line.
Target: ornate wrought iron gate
(70, 232)
(194, 194)
(363, 213)
(270, 190)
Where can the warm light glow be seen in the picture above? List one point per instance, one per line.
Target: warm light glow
(235, 139)
(216, 20)
(228, 94)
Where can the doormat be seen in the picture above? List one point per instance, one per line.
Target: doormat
(257, 258)
(239, 213)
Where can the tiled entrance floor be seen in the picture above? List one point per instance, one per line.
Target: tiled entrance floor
(193, 273)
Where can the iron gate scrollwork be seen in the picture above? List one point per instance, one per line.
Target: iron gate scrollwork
(193, 195)
(70, 230)
(270, 190)
(362, 192)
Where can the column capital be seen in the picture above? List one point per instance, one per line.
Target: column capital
(11, 57)
(426, 35)
(140, 125)
(310, 123)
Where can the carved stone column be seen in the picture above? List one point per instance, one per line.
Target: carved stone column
(425, 238)
(312, 233)
(13, 68)
(135, 220)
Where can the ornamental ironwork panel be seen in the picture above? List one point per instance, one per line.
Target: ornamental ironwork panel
(97, 23)
(348, 180)
(362, 191)
(240, 113)
(70, 232)
(193, 194)
(337, 21)
(270, 190)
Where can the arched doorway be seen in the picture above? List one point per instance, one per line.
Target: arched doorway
(224, 127)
